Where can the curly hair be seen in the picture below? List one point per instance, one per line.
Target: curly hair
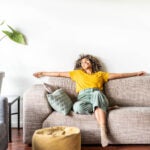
(96, 66)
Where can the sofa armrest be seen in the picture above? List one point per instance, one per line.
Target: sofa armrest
(3, 123)
(4, 110)
(35, 110)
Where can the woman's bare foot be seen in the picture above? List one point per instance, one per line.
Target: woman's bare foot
(104, 137)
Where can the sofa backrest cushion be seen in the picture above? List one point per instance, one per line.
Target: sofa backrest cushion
(133, 91)
(66, 84)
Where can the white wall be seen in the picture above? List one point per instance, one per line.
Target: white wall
(57, 31)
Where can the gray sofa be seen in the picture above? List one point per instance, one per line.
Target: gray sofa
(130, 124)
(3, 123)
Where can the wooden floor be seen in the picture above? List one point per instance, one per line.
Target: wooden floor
(17, 144)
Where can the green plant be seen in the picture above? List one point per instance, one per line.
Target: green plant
(14, 35)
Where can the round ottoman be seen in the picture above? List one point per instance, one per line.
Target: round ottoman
(57, 138)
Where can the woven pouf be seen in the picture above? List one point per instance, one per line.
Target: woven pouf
(57, 138)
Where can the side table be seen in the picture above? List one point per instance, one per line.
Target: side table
(11, 100)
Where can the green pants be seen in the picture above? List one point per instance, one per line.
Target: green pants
(88, 100)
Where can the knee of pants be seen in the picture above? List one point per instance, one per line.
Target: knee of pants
(82, 108)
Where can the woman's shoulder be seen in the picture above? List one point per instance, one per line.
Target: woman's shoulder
(101, 73)
(76, 71)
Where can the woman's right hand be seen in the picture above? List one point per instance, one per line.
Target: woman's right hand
(38, 74)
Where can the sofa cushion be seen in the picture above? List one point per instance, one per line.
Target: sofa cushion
(60, 101)
(90, 132)
(49, 88)
(126, 125)
(129, 125)
(133, 91)
(66, 84)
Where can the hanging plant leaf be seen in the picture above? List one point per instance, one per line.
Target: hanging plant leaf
(2, 23)
(16, 36)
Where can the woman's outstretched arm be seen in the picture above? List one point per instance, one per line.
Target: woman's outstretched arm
(125, 75)
(54, 74)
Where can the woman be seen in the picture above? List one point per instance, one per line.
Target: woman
(89, 85)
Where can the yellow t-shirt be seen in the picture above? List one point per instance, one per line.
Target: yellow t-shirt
(84, 80)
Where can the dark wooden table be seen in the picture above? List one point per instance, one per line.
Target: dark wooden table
(11, 100)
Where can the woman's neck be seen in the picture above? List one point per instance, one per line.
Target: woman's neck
(88, 71)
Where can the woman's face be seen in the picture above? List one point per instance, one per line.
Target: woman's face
(86, 64)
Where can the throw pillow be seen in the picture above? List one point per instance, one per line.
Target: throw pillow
(49, 88)
(60, 101)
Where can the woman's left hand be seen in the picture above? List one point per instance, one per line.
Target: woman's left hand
(141, 73)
